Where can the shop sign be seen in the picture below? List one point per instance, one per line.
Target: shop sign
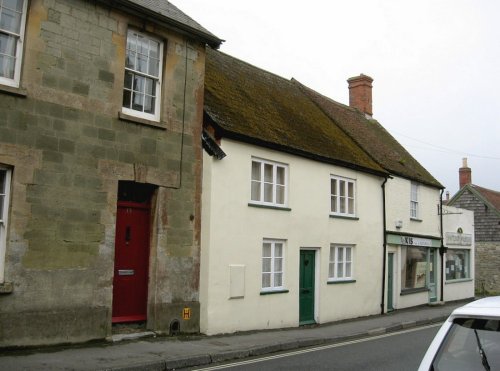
(460, 239)
(415, 241)
(186, 313)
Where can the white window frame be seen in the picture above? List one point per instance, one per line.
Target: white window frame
(158, 79)
(334, 262)
(261, 183)
(4, 218)
(336, 198)
(466, 265)
(414, 214)
(14, 82)
(273, 271)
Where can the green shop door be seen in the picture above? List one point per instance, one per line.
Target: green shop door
(306, 287)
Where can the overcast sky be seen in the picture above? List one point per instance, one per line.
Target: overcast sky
(435, 65)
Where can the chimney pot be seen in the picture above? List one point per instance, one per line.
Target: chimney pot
(464, 174)
(360, 93)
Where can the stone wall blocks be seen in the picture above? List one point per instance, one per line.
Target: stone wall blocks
(51, 156)
(51, 27)
(62, 7)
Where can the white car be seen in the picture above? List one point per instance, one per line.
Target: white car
(468, 340)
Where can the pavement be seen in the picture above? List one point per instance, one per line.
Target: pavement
(170, 353)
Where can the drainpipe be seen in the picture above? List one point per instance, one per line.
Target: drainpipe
(442, 249)
(382, 304)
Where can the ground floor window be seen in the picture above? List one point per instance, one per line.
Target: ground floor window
(341, 263)
(457, 264)
(273, 256)
(413, 267)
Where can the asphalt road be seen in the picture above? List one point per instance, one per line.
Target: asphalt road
(399, 351)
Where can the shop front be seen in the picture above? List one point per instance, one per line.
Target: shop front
(413, 275)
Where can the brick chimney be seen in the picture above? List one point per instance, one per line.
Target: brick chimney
(464, 174)
(360, 93)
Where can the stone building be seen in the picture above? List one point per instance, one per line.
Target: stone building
(100, 125)
(486, 206)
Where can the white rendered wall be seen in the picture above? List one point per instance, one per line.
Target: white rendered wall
(233, 232)
(454, 218)
(428, 224)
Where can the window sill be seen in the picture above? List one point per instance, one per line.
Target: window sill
(416, 220)
(271, 292)
(18, 92)
(6, 288)
(337, 282)
(413, 291)
(269, 207)
(335, 216)
(139, 120)
(460, 280)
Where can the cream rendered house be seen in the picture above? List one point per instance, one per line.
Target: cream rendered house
(312, 212)
(413, 248)
(292, 229)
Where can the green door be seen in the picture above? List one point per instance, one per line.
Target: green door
(306, 287)
(390, 282)
(432, 275)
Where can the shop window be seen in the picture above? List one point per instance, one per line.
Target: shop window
(414, 267)
(457, 264)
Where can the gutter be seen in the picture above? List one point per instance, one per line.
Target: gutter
(382, 304)
(442, 249)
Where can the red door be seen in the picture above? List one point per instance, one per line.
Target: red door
(130, 282)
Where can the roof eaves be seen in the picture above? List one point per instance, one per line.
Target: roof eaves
(133, 8)
(290, 150)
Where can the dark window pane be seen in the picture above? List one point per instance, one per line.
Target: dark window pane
(128, 80)
(126, 98)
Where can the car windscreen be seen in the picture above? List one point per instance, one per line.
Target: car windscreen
(470, 344)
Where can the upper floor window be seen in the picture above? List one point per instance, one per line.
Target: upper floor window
(273, 256)
(341, 263)
(5, 175)
(342, 196)
(12, 24)
(414, 201)
(269, 183)
(142, 84)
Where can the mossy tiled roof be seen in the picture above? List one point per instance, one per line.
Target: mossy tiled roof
(375, 140)
(249, 104)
